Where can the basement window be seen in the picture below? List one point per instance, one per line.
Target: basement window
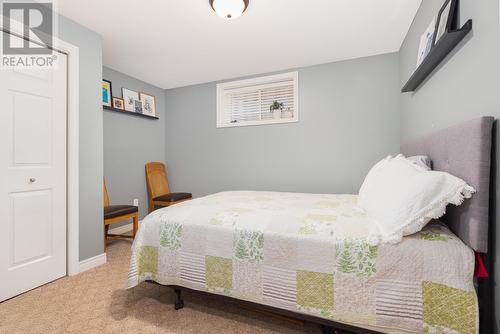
(264, 100)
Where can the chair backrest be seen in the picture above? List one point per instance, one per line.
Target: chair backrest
(105, 193)
(156, 179)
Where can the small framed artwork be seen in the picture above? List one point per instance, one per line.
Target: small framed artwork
(426, 40)
(118, 103)
(106, 93)
(148, 104)
(138, 106)
(129, 98)
(445, 19)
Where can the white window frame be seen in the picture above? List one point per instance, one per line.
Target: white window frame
(222, 87)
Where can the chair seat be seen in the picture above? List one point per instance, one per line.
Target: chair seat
(173, 197)
(113, 211)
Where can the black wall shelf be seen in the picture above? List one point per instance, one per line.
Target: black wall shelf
(121, 111)
(438, 52)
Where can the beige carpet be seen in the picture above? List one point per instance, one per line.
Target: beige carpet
(96, 302)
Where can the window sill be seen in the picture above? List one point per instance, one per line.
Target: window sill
(254, 123)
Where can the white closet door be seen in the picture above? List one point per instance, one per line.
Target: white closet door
(32, 177)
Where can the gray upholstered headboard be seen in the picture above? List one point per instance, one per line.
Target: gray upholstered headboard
(463, 150)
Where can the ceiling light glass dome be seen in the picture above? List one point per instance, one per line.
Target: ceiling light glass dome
(229, 9)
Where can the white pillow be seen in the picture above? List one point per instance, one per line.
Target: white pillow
(402, 197)
(422, 161)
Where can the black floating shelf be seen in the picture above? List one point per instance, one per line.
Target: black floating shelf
(438, 52)
(121, 111)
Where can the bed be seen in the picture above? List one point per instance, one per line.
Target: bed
(309, 255)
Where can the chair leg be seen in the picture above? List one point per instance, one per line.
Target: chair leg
(151, 206)
(106, 229)
(135, 224)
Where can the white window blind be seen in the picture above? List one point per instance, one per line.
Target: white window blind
(248, 102)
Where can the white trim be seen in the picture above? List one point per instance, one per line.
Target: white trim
(121, 229)
(257, 81)
(92, 262)
(73, 172)
(260, 80)
(253, 123)
(73, 149)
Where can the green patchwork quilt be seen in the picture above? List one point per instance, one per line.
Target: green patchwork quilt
(309, 253)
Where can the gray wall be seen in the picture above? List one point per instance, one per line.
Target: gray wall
(349, 117)
(91, 158)
(130, 142)
(467, 85)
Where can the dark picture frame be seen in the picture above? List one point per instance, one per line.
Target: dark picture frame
(107, 94)
(138, 106)
(445, 19)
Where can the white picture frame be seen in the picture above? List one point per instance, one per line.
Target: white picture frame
(426, 42)
(129, 98)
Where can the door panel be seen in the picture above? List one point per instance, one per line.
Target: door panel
(40, 74)
(32, 178)
(31, 227)
(32, 126)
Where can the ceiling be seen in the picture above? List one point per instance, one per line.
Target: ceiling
(173, 43)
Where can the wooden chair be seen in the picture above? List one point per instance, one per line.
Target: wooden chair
(118, 213)
(158, 188)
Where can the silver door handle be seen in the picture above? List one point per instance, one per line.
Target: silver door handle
(32, 180)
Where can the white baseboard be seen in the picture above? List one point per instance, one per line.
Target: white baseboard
(101, 259)
(92, 262)
(121, 229)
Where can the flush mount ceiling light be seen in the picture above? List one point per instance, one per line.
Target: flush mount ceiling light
(229, 9)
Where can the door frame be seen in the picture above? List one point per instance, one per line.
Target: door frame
(72, 151)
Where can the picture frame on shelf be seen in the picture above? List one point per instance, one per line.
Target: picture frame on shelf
(129, 98)
(138, 106)
(118, 103)
(148, 104)
(426, 42)
(445, 19)
(106, 93)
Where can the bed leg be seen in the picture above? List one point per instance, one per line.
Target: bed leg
(179, 303)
